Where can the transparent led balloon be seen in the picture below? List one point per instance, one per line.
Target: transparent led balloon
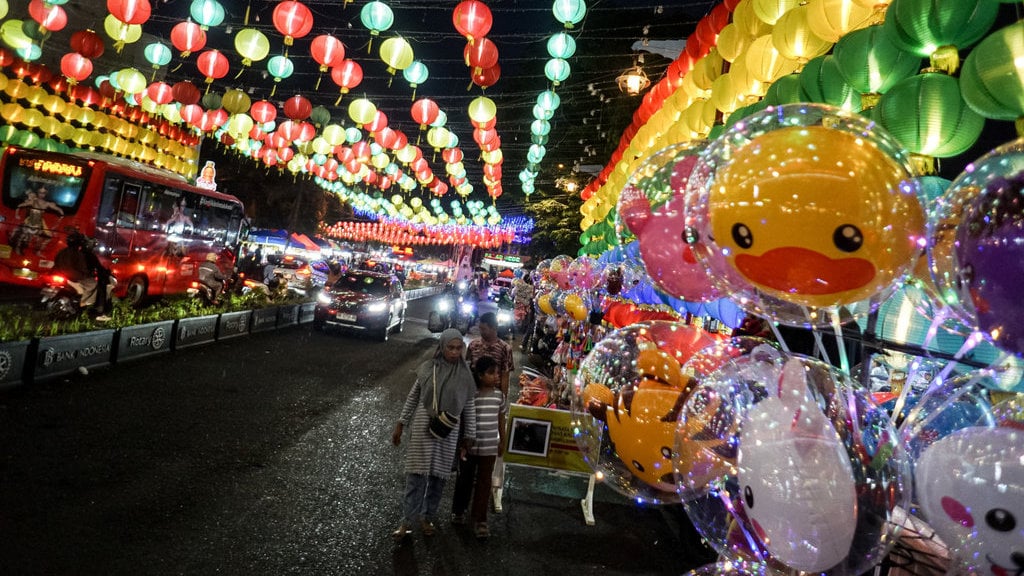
(969, 487)
(804, 208)
(819, 475)
(651, 207)
(626, 399)
(947, 406)
(976, 247)
(704, 449)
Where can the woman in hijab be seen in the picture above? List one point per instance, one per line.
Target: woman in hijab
(428, 460)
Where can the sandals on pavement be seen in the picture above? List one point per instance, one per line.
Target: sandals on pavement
(401, 532)
(481, 530)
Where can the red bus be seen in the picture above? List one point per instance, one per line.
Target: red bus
(153, 228)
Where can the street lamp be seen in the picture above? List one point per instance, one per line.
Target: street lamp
(634, 81)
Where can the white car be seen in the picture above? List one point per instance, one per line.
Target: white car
(498, 286)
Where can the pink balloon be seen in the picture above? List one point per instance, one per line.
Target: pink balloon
(661, 232)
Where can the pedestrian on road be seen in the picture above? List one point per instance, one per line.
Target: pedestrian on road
(428, 459)
(488, 344)
(476, 464)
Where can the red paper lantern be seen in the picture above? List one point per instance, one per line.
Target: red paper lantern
(401, 141)
(293, 20)
(487, 77)
(285, 154)
(425, 112)
(160, 92)
(327, 50)
(75, 66)
(218, 117)
(452, 155)
(298, 107)
(50, 17)
(361, 150)
(379, 122)
(347, 75)
(288, 130)
(481, 54)
(306, 132)
(185, 92)
(130, 11)
(386, 137)
(188, 37)
(213, 65)
(472, 19)
(263, 111)
(192, 113)
(87, 43)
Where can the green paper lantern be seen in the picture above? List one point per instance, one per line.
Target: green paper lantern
(416, 74)
(785, 90)
(280, 67)
(540, 127)
(376, 17)
(157, 54)
(207, 13)
(871, 63)
(561, 45)
(541, 139)
(992, 80)
(557, 70)
(320, 116)
(212, 101)
(927, 115)
(569, 12)
(541, 113)
(821, 82)
(549, 100)
(923, 26)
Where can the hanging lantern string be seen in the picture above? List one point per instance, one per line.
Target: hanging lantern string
(248, 7)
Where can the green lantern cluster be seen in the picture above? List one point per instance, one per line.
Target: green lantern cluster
(927, 115)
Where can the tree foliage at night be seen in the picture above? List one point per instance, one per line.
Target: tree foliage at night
(557, 226)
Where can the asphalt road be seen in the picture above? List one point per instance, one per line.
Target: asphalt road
(270, 454)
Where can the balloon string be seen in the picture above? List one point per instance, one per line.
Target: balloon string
(778, 337)
(938, 411)
(837, 328)
(819, 347)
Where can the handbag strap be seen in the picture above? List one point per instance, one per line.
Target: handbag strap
(435, 388)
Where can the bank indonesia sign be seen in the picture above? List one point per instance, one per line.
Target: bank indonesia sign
(64, 354)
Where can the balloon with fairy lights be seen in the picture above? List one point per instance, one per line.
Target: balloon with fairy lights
(820, 478)
(651, 207)
(801, 209)
(626, 399)
(976, 250)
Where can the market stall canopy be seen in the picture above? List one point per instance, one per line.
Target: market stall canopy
(269, 236)
(303, 241)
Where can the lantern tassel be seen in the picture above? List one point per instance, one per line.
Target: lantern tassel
(413, 93)
(273, 90)
(318, 79)
(240, 72)
(470, 87)
(175, 69)
(1019, 125)
(248, 7)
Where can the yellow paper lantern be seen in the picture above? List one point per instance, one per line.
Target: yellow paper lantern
(172, 114)
(380, 161)
(85, 116)
(492, 157)
(396, 53)
(723, 96)
(16, 89)
(66, 132)
(252, 45)
(148, 105)
(732, 41)
(239, 125)
(766, 63)
(438, 137)
(482, 109)
(12, 33)
(692, 90)
(131, 80)
(36, 95)
(793, 38)
(707, 70)
(747, 21)
(32, 118)
(54, 105)
(831, 19)
(236, 102)
(120, 32)
(69, 112)
(747, 87)
(362, 111)
(334, 134)
(12, 112)
(770, 11)
(321, 146)
(3, 81)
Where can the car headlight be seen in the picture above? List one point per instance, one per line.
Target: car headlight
(443, 306)
(467, 308)
(324, 298)
(504, 317)
(462, 285)
(377, 307)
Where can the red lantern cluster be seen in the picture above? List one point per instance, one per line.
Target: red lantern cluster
(473, 20)
(408, 234)
(77, 64)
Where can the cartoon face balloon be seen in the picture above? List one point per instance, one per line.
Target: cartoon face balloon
(989, 245)
(804, 208)
(819, 471)
(797, 483)
(970, 486)
(651, 206)
(627, 397)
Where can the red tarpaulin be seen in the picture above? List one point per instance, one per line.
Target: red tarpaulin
(304, 242)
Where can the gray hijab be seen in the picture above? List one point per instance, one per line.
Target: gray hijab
(455, 381)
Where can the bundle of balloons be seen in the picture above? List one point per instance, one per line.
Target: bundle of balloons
(808, 216)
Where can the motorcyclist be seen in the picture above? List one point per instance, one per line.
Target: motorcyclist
(334, 273)
(211, 276)
(85, 273)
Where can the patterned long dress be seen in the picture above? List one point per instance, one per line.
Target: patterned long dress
(424, 453)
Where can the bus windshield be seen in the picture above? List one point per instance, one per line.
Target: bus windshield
(36, 183)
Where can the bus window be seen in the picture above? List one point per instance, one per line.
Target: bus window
(129, 207)
(217, 220)
(108, 201)
(161, 209)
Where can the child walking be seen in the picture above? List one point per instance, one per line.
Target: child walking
(473, 483)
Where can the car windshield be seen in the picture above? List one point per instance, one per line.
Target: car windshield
(372, 285)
